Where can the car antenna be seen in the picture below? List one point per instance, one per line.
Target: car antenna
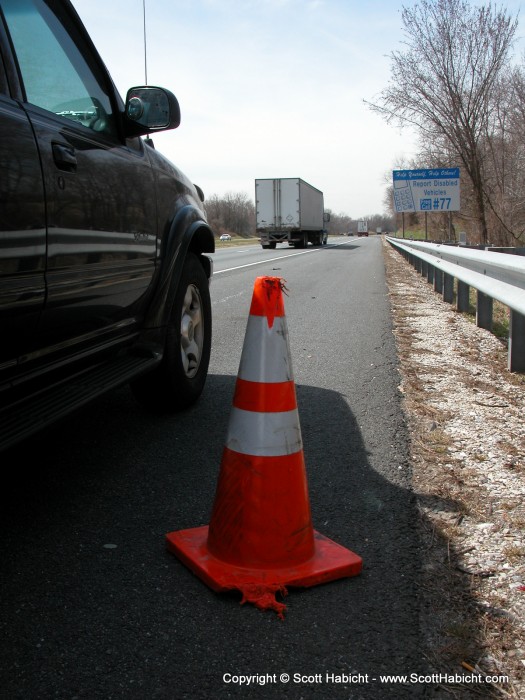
(147, 140)
(145, 44)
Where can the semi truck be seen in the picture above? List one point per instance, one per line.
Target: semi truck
(362, 228)
(289, 210)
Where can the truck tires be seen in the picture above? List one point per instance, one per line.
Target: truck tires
(179, 379)
(302, 242)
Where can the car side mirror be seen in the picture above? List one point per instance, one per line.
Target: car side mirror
(151, 109)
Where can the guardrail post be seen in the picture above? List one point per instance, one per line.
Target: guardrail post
(448, 288)
(463, 302)
(430, 273)
(516, 358)
(438, 281)
(484, 311)
(424, 268)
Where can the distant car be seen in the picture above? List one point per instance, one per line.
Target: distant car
(225, 237)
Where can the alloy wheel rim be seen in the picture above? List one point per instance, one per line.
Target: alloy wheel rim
(191, 331)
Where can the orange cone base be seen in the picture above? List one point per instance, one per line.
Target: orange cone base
(259, 586)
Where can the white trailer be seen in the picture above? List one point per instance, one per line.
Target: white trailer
(362, 228)
(289, 210)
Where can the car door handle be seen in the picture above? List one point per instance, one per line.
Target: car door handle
(64, 157)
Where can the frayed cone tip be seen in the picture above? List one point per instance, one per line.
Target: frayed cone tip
(263, 597)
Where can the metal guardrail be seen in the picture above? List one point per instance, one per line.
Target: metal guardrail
(499, 276)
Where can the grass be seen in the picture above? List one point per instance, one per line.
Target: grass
(414, 234)
(500, 314)
(236, 241)
(240, 241)
(418, 234)
(514, 553)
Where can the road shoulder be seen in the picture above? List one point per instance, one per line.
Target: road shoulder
(465, 416)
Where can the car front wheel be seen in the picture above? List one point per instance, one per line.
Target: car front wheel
(179, 380)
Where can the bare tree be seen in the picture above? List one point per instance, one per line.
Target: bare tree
(506, 145)
(443, 84)
(339, 223)
(233, 212)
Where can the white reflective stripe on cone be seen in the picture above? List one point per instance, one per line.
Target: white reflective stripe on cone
(266, 351)
(264, 434)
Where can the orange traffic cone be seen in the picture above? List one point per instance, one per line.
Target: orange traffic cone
(260, 537)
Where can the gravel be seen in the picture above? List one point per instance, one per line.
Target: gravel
(464, 411)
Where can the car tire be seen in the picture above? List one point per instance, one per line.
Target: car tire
(179, 380)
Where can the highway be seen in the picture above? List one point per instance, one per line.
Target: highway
(236, 258)
(93, 606)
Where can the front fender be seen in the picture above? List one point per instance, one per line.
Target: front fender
(188, 232)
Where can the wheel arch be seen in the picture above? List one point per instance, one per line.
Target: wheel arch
(188, 232)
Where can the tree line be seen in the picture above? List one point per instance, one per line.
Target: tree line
(342, 223)
(234, 213)
(455, 83)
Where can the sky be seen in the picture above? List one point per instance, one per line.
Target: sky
(267, 89)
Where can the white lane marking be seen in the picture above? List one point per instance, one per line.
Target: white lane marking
(232, 296)
(281, 257)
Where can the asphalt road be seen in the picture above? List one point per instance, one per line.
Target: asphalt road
(93, 606)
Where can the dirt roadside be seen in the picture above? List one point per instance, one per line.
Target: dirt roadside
(466, 418)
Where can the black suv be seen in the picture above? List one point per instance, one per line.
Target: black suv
(103, 272)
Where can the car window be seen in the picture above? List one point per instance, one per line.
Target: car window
(55, 74)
